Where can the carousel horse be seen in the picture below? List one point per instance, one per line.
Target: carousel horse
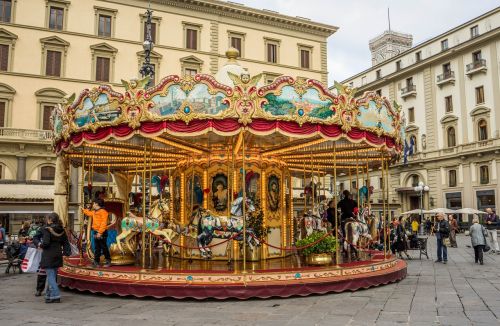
(132, 225)
(209, 226)
(355, 232)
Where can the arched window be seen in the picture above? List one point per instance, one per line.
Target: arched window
(452, 140)
(482, 129)
(47, 173)
(414, 180)
(413, 140)
(484, 174)
(452, 178)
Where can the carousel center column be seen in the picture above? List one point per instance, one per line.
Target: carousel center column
(61, 189)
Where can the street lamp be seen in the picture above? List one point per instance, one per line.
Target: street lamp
(420, 189)
(147, 68)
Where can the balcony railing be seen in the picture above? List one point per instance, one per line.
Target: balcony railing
(26, 133)
(409, 90)
(476, 66)
(446, 77)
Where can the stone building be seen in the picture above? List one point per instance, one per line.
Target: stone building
(449, 90)
(52, 48)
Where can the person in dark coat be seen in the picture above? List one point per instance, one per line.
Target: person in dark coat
(53, 240)
(442, 228)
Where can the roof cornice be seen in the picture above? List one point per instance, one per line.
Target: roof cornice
(425, 62)
(234, 10)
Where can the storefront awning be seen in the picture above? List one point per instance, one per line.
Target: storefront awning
(26, 192)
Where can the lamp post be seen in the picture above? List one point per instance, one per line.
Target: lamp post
(147, 68)
(420, 190)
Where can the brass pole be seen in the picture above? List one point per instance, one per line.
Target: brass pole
(387, 186)
(192, 189)
(143, 236)
(229, 179)
(312, 183)
(368, 183)
(107, 179)
(357, 179)
(82, 203)
(383, 206)
(150, 198)
(337, 247)
(244, 206)
(305, 195)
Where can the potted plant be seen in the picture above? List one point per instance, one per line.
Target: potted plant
(318, 248)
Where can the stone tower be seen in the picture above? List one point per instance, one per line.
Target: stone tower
(389, 44)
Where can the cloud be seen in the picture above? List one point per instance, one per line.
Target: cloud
(361, 20)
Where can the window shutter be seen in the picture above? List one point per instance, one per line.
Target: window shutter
(304, 59)
(47, 173)
(102, 69)
(2, 114)
(4, 57)
(153, 32)
(53, 64)
(47, 112)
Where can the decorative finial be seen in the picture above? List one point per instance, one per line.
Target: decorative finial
(232, 54)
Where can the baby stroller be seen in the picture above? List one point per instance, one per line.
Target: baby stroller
(14, 258)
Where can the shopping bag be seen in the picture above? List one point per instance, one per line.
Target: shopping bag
(31, 261)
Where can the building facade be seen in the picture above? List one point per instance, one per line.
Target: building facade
(52, 48)
(449, 90)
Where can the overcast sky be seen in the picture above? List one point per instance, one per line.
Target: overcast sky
(361, 20)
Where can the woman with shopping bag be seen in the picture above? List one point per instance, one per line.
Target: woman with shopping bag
(53, 242)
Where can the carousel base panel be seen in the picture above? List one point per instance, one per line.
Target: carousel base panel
(281, 277)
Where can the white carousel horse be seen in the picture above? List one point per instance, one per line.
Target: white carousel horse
(132, 225)
(355, 231)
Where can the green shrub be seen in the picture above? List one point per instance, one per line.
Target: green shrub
(327, 245)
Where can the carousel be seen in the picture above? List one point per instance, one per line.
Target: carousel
(200, 173)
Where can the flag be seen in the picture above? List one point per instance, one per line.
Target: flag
(405, 153)
(412, 145)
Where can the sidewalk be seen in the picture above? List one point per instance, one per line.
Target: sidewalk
(459, 293)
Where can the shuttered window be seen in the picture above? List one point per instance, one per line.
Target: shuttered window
(191, 39)
(4, 57)
(153, 31)
(2, 114)
(104, 28)
(5, 10)
(46, 113)
(56, 18)
(272, 53)
(236, 43)
(47, 173)
(53, 64)
(305, 59)
(102, 69)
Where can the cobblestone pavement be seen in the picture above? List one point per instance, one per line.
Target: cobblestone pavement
(459, 293)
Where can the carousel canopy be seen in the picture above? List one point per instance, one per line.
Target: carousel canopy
(293, 121)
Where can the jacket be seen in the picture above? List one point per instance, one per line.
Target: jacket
(442, 229)
(54, 238)
(478, 234)
(99, 219)
(493, 218)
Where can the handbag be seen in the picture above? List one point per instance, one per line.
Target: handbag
(446, 242)
(31, 261)
(486, 246)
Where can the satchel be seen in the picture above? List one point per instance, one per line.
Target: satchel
(446, 242)
(486, 246)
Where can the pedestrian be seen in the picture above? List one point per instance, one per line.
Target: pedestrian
(99, 224)
(428, 226)
(491, 225)
(453, 231)
(2, 236)
(346, 206)
(442, 229)
(330, 212)
(414, 226)
(24, 231)
(53, 241)
(41, 274)
(478, 236)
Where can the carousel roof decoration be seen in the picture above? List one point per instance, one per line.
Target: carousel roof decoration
(178, 111)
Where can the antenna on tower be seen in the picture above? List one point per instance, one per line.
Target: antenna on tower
(389, 18)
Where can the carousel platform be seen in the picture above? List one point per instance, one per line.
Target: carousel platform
(198, 279)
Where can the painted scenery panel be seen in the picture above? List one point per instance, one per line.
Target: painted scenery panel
(372, 117)
(99, 111)
(198, 100)
(289, 103)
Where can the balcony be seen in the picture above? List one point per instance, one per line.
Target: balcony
(409, 90)
(475, 67)
(26, 134)
(448, 77)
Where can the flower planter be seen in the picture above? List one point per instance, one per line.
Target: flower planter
(319, 259)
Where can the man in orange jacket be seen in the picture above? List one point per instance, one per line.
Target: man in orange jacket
(99, 224)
